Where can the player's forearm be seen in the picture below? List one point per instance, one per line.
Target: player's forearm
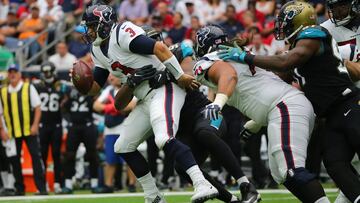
(163, 53)
(95, 89)
(123, 97)
(353, 69)
(98, 106)
(276, 63)
(37, 116)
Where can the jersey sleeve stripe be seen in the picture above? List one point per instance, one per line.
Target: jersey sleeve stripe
(117, 34)
(352, 52)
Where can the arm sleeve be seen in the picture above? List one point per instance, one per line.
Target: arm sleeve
(142, 45)
(34, 97)
(100, 75)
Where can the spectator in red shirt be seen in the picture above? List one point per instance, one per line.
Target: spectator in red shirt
(259, 16)
(194, 26)
(24, 10)
(166, 17)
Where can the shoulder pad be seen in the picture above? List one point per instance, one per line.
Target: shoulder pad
(204, 63)
(312, 33)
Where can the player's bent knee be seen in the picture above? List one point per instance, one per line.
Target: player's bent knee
(121, 146)
(299, 176)
(160, 141)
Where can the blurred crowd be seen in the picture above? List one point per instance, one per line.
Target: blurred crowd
(36, 23)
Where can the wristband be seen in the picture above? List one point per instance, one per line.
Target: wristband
(249, 59)
(174, 67)
(252, 126)
(220, 99)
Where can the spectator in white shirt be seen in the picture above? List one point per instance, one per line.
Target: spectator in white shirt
(63, 60)
(258, 47)
(189, 8)
(4, 9)
(213, 11)
(52, 12)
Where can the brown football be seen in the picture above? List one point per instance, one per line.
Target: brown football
(82, 77)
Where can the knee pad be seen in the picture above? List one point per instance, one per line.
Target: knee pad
(299, 175)
(121, 146)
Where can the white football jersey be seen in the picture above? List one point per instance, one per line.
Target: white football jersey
(120, 61)
(257, 91)
(341, 34)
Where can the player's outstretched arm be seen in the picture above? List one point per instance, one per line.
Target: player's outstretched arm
(297, 56)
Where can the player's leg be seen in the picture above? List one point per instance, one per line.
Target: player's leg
(289, 129)
(33, 145)
(57, 134)
(72, 144)
(89, 138)
(45, 140)
(208, 134)
(342, 141)
(135, 129)
(164, 116)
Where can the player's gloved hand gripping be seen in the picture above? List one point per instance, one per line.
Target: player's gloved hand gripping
(212, 111)
(140, 75)
(235, 53)
(250, 128)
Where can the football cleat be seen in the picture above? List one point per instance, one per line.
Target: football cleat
(203, 192)
(249, 193)
(157, 199)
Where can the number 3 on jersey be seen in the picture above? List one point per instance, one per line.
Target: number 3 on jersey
(129, 30)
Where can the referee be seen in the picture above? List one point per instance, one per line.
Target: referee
(21, 106)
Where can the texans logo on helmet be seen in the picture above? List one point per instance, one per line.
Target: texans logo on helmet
(202, 36)
(102, 14)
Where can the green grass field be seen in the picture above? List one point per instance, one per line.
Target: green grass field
(137, 198)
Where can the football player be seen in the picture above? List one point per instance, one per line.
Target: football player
(51, 92)
(124, 51)
(314, 56)
(266, 99)
(201, 134)
(80, 129)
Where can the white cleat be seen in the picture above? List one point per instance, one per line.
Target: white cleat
(155, 199)
(203, 192)
(341, 198)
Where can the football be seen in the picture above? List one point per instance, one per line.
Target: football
(82, 77)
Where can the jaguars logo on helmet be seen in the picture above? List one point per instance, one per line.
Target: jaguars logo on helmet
(293, 16)
(98, 21)
(208, 38)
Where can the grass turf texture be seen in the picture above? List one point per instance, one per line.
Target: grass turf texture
(268, 197)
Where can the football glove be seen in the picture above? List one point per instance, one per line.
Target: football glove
(212, 111)
(161, 78)
(140, 75)
(235, 53)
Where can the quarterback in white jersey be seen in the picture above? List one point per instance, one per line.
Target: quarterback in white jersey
(126, 52)
(266, 99)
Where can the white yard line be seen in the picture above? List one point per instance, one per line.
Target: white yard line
(82, 196)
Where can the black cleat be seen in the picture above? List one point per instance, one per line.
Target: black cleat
(249, 193)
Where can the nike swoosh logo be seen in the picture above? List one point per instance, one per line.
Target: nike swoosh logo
(136, 74)
(345, 114)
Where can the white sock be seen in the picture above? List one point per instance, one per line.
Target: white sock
(234, 198)
(195, 175)
(357, 200)
(323, 200)
(148, 184)
(93, 182)
(69, 184)
(242, 180)
(11, 181)
(4, 178)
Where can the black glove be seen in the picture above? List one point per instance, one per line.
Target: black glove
(161, 78)
(245, 135)
(212, 111)
(140, 75)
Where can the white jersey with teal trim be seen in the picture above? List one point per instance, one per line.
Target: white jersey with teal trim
(257, 91)
(120, 60)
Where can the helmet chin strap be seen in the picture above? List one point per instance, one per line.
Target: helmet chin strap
(343, 21)
(292, 34)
